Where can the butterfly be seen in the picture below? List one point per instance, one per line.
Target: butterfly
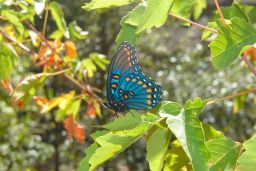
(127, 87)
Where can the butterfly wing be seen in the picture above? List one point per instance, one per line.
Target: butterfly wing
(128, 87)
(123, 63)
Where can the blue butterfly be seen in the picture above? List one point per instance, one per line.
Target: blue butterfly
(127, 87)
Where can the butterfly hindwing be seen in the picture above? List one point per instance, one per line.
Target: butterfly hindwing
(128, 87)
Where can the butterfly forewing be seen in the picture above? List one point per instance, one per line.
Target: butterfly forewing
(128, 87)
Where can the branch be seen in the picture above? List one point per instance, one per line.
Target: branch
(231, 96)
(219, 12)
(193, 23)
(248, 63)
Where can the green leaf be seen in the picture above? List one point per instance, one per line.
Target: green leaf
(73, 107)
(100, 60)
(189, 131)
(168, 107)
(7, 55)
(176, 158)
(183, 8)
(211, 133)
(12, 17)
(232, 40)
(76, 32)
(231, 11)
(155, 14)
(127, 33)
(105, 4)
(247, 161)
(199, 6)
(58, 16)
(84, 165)
(224, 153)
(135, 16)
(157, 145)
(133, 118)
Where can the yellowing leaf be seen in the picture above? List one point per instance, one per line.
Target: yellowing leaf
(70, 48)
(74, 129)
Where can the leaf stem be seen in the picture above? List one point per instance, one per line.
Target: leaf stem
(45, 19)
(248, 63)
(219, 12)
(231, 96)
(194, 23)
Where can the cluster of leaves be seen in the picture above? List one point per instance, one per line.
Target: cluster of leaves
(197, 146)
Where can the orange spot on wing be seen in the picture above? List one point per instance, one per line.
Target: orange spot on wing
(149, 102)
(125, 96)
(149, 90)
(140, 82)
(121, 91)
(131, 93)
(144, 86)
(113, 85)
(130, 64)
(149, 96)
(126, 49)
(127, 79)
(116, 76)
(134, 79)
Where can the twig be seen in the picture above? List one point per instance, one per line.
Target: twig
(219, 12)
(231, 96)
(45, 19)
(193, 23)
(248, 63)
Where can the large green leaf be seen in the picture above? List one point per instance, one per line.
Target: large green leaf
(7, 55)
(112, 143)
(58, 16)
(155, 14)
(136, 15)
(232, 40)
(183, 8)
(157, 145)
(176, 158)
(211, 133)
(199, 6)
(105, 4)
(247, 161)
(189, 131)
(224, 153)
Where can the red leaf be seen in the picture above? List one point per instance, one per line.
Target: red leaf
(91, 109)
(74, 129)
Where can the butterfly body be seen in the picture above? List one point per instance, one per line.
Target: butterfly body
(127, 87)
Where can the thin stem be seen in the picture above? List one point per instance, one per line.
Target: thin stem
(193, 23)
(231, 96)
(219, 12)
(45, 19)
(248, 63)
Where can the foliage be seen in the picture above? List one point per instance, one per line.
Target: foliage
(50, 71)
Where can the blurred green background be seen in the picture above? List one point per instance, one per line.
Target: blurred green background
(173, 55)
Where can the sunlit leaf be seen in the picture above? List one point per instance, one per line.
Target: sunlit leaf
(176, 158)
(73, 106)
(112, 143)
(13, 18)
(224, 153)
(105, 4)
(189, 131)
(39, 6)
(58, 16)
(74, 129)
(199, 6)
(183, 8)
(76, 32)
(100, 60)
(247, 161)
(232, 40)
(211, 133)
(7, 56)
(157, 145)
(135, 16)
(155, 14)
